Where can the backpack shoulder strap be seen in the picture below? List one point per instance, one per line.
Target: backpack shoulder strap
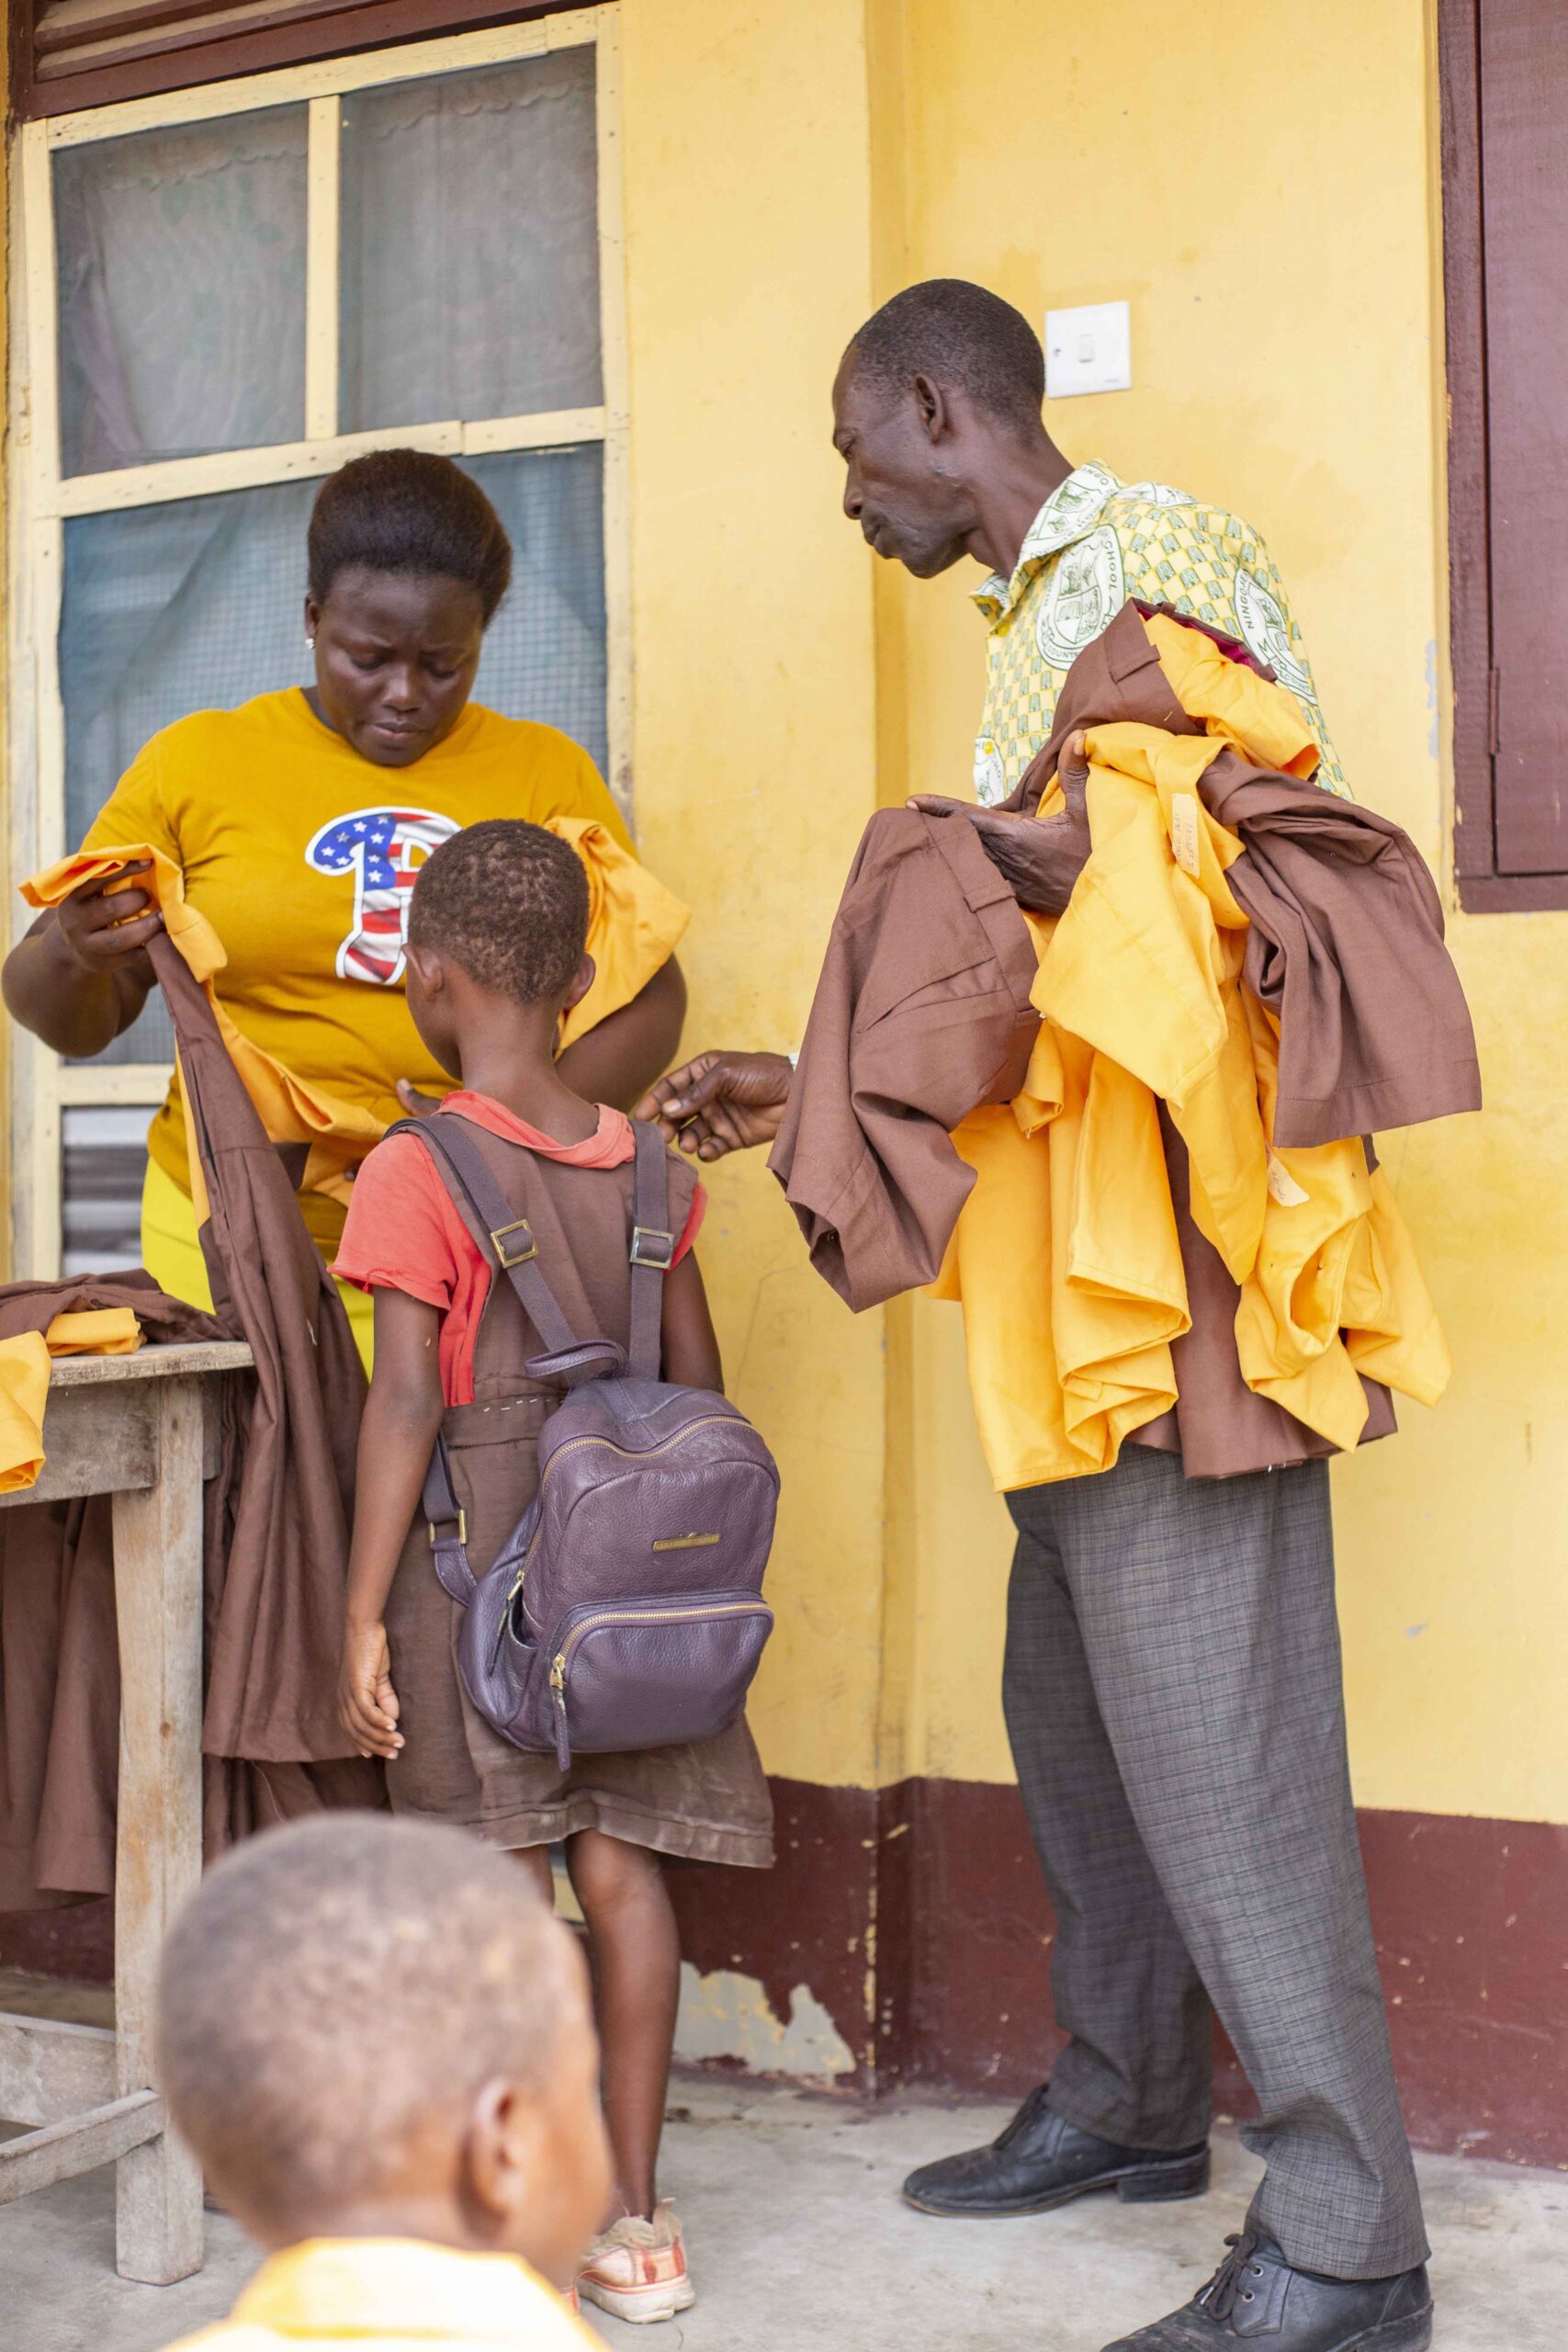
(463, 1168)
(447, 1137)
(652, 1249)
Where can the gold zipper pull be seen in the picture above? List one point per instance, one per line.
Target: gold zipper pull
(558, 1671)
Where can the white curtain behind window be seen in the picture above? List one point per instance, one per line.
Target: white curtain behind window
(470, 245)
(181, 257)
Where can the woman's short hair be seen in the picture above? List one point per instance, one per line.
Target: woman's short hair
(407, 510)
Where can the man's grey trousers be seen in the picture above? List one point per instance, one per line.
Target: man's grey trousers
(1175, 1703)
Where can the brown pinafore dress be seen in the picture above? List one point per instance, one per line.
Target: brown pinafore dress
(707, 1800)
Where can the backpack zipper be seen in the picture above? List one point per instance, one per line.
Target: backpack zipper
(633, 1453)
(626, 1452)
(562, 1658)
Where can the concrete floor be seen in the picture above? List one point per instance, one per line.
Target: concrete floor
(796, 2237)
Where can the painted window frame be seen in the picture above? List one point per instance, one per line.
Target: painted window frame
(1482, 888)
(39, 501)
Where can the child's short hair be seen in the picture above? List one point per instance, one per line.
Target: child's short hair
(334, 1987)
(508, 902)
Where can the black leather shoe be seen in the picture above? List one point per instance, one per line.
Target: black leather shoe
(1255, 2292)
(1043, 2160)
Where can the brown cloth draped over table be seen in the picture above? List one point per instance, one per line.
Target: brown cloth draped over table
(277, 1522)
(923, 1007)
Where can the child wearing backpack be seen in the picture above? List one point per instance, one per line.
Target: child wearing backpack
(495, 958)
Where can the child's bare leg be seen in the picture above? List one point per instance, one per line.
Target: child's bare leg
(535, 1860)
(637, 1969)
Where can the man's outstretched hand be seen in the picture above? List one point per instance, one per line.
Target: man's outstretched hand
(720, 1103)
(1039, 858)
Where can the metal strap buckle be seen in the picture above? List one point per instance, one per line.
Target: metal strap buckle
(462, 1530)
(498, 1241)
(652, 1248)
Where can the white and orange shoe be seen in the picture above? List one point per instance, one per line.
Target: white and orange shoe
(638, 2269)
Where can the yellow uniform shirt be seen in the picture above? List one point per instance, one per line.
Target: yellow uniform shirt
(1066, 1255)
(1094, 543)
(391, 2295)
(301, 855)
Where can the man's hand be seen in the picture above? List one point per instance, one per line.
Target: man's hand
(720, 1103)
(1039, 858)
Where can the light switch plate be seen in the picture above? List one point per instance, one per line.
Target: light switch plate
(1088, 350)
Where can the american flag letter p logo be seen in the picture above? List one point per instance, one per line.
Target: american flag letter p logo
(383, 849)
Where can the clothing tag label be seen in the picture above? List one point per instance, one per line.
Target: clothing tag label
(1282, 1185)
(1184, 831)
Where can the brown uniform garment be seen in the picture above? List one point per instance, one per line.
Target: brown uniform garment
(909, 1031)
(707, 1800)
(277, 1522)
(921, 1014)
(1346, 938)
(59, 1661)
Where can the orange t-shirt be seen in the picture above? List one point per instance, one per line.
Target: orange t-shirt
(405, 1231)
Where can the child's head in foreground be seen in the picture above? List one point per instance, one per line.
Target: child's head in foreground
(375, 2029)
(498, 921)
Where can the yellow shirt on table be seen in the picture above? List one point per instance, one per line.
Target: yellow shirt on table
(391, 2295)
(301, 855)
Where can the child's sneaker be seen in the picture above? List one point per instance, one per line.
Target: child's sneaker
(638, 2271)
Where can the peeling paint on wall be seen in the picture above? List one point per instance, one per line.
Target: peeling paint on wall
(728, 2016)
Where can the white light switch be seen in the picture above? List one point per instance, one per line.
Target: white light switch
(1088, 350)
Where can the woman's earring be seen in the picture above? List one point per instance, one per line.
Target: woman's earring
(309, 645)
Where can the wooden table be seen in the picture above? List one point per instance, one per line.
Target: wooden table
(141, 1428)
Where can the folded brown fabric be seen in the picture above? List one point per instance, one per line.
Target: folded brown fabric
(921, 1014)
(1347, 941)
(1347, 949)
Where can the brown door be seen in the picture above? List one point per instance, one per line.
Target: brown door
(1523, 74)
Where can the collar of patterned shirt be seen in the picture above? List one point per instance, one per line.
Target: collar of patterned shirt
(1095, 542)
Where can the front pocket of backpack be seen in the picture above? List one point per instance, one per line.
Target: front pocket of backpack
(655, 1673)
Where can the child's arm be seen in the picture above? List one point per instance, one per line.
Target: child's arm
(689, 1350)
(401, 1418)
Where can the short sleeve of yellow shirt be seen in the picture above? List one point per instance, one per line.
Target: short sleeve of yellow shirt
(301, 855)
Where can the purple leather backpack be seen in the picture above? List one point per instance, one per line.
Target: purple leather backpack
(624, 1610)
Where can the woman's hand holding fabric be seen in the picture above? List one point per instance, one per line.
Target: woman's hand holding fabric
(1040, 858)
(102, 925)
(415, 1105)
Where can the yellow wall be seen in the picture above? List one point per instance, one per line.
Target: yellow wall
(747, 201)
(1266, 201)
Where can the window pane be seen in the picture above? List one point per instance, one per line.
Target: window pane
(543, 656)
(194, 606)
(181, 290)
(103, 1164)
(470, 245)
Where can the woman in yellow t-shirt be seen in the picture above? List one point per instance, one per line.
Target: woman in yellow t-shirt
(299, 821)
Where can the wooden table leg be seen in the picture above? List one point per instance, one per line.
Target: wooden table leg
(158, 1594)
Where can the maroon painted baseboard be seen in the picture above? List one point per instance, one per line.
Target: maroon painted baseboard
(1468, 1916)
(917, 1919)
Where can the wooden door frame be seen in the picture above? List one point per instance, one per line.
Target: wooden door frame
(1481, 889)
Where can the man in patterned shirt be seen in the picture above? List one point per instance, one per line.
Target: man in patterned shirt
(1163, 1630)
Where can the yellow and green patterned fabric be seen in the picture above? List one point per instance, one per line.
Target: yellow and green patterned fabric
(1094, 543)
